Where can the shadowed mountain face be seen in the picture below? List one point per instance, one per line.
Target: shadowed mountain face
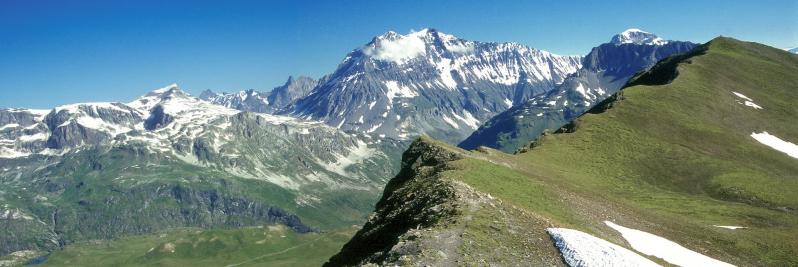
(694, 162)
(604, 70)
(429, 82)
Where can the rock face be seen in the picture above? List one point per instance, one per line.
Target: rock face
(426, 218)
(429, 82)
(167, 159)
(293, 89)
(604, 71)
(264, 102)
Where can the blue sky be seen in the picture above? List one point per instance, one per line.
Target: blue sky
(58, 52)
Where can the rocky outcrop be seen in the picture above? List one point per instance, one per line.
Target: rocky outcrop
(293, 89)
(416, 197)
(428, 217)
(157, 118)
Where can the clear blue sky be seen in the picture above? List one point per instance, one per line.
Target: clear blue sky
(58, 52)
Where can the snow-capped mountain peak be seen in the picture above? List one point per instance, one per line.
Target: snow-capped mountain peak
(397, 48)
(637, 36)
(164, 90)
(378, 88)
(152, 98)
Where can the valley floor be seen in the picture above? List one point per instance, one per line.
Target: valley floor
(270, 245)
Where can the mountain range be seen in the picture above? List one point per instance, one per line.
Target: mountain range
(604, 70)
(432, 83)
(167, 159)
(685, 166)
(264, 102)
(668, 124)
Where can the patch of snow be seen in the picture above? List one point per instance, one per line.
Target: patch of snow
(742, 96)
(508, 102)
(99, 124)
(11, 153)
(665, 249)
(39, 113)
(374, 128)
(581, 249)
(33, 137)
(356, 155)
(444, 68)
(748, 101)
(776, 143)
(371, 105)
(10, 125)
(468, 119)
(731, 227)
(14, 214)
(584, 92)
(637, 36)
(451, 122)
(395, 90)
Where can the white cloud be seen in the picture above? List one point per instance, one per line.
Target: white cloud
(399, 50)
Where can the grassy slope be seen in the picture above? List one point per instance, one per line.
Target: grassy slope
(253, 246)
(335, 216)
(673, 160)
(677, 159)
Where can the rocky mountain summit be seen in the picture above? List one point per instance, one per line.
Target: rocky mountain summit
(430, 82)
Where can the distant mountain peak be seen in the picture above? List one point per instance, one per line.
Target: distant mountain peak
(398, 48)
(386, 87)
(637, 36)
(168, 91)
(165, 89)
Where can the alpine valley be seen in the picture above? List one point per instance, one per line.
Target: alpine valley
(645, 151)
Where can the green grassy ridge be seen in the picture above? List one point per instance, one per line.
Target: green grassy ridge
(671, 159)
(676, 150)
(251, 246)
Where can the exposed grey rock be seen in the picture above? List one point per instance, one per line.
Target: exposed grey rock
(438, 85)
